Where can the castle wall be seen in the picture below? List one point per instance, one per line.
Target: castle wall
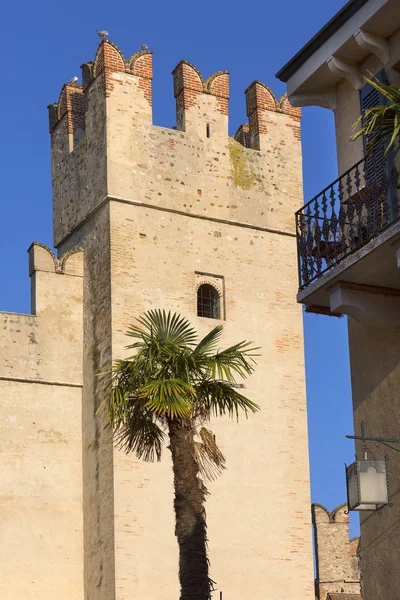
(97, 445)
(79, 175)
(267, 471)
(40, 435)
(148, 164)
(157, 211)
(215, 176)
(182, 203)
(336, 555)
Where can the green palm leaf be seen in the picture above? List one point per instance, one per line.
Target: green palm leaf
(172, 377)
(210, 342)
(170, 397)
(222, 398)
(163, 328)
(235, 360)
(380, 124)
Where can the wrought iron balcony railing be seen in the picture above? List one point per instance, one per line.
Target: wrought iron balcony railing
(346, 215)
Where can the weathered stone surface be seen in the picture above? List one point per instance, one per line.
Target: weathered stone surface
(158, 211)
(41, 547)
(336, 556)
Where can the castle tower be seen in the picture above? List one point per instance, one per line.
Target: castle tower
(337, 570)
(158, 213)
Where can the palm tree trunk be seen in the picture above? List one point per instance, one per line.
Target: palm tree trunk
(191, 528)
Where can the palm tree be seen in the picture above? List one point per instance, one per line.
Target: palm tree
(170, 387)
(381, 123)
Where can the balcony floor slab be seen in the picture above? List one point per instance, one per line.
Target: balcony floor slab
(375, 264)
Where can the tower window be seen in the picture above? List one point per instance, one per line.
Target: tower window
(208, 302)
(208, 131)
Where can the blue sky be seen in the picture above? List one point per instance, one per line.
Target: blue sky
(46, 42)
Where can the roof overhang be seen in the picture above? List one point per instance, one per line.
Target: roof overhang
(339, 19)
(361, 28)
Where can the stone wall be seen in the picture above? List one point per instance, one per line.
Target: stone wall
(181, 169)
(156, 210)
(266, 454)
(336, 556)
(40, 435)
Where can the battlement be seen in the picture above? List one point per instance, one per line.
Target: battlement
(73, 100)
(189, 86)
(336, 555)
(69, 111)
(46, 345)
(189, 89)
(48, 293)
(260, 101)
(41, 258)
(105, 144)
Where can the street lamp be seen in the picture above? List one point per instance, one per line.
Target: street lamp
(367, 485)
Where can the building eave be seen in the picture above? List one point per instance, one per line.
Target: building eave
(319, 39)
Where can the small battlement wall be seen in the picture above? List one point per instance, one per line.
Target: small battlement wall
(52, 334)
(40, 433)
(337, 565)
(104, 145)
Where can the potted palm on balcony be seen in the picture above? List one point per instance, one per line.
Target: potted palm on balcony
(380, 129)
(381, 124)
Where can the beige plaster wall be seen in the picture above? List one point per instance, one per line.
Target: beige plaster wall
(375, 378)
(41, 529)
(348, 111)
(375, 372)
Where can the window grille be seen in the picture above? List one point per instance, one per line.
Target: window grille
(208, 302)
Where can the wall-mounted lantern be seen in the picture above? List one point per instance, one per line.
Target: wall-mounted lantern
(367, 485)
(367, 482)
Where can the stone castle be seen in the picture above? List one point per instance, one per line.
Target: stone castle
(187, 219)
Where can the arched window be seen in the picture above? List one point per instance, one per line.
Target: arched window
(208, 302)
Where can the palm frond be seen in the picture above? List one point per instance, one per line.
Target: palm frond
(134, 425)
(208, 456)
(222, 398)
(163, 327)
(171, 378)
(210, 342)
(380, 124)
(235, 360)
(170, 397)
(140, 433)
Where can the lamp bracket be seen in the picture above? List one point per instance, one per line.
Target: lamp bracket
(385, 441)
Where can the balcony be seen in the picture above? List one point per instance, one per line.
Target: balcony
(348, 233)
